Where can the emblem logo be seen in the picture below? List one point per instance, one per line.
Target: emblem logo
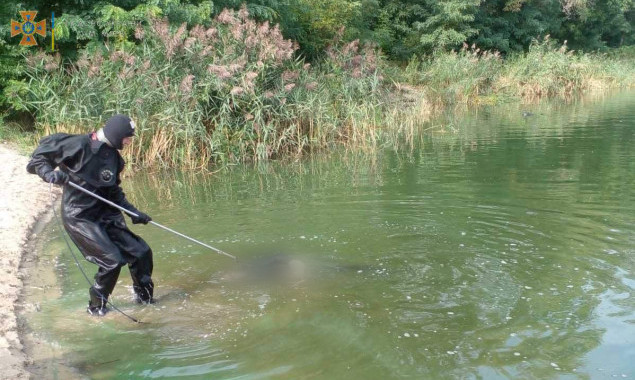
(106, 175)
(28, 28)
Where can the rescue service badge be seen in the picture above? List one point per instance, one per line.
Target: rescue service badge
(106, 175)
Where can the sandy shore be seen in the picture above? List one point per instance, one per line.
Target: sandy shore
(23, 199)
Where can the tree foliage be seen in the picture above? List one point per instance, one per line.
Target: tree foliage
(450, 24)
(407, 27)
(401, 28)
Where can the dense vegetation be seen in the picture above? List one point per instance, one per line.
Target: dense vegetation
(271, 77)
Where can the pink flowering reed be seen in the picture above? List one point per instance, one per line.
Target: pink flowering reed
(116, 55)
(289, 75)
(50, 66)
(189, 42)
(211, 32)
(95, 66)
(139, 32)
(263, 30)
(249, 86)
(236, 90)
(226, 17)
(174, 43)
(219, 70)
(186, 84)
(82, 63)
(198, 33)
(161, 28)
(37, 58)
(239, 64)
(251, 42)
(208, 49)
(237, 31)
(351, 47)
(357, 60)
(251, 75)
(130, 59)
(125, 74)
(243, 14)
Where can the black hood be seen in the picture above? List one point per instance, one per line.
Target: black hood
(118, 128)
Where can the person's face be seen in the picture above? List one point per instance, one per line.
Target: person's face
(126, 141)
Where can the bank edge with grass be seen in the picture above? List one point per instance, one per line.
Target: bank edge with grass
(237, 91)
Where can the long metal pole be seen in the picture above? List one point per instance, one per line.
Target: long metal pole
(151, 222)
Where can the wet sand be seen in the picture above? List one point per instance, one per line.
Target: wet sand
(24, 199)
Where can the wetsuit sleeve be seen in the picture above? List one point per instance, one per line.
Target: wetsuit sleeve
(53, 151)
(117, 195)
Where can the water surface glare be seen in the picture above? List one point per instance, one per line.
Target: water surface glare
(500, 246)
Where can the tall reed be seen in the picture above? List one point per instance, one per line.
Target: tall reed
(473, 76)
(230, 92)
(236, 91)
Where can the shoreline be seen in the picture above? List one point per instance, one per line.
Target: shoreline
(24, 200)
(44, 356)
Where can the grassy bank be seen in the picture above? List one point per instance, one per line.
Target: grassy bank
(236, 91)
(547, 70)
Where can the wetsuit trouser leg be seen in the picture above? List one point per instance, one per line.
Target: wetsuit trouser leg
(138, 255)
(97, 247)
(105, 281)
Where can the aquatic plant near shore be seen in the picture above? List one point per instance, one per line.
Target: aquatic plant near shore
(191, 91)
(473, 76)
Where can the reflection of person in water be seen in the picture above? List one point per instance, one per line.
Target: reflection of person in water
(99, 230)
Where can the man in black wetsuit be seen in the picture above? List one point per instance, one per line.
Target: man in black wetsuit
(99, 230)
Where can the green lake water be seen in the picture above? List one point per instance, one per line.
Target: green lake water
(494, 246)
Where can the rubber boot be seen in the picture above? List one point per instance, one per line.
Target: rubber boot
(97, 303)
(144, 294)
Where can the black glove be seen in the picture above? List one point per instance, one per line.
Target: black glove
(58, 177)
(141, 218)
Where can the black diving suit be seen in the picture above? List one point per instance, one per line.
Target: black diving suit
(98, 230)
